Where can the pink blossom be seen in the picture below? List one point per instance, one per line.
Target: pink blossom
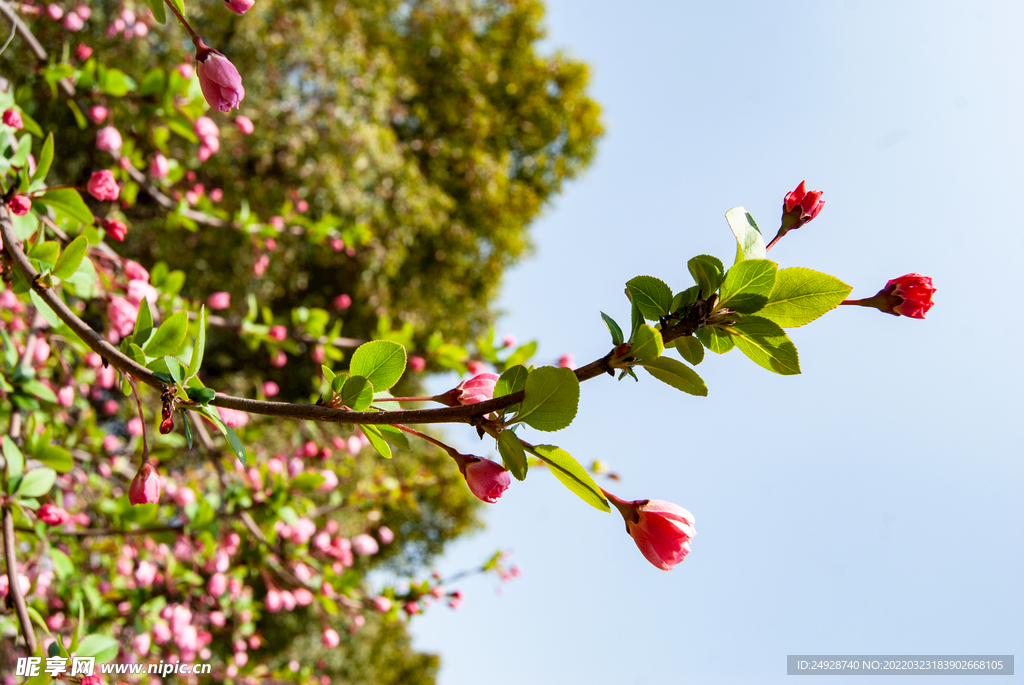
(83, 11)
(278, 333)
(799, 207)
(110, 407)
(205, 126)
(186, 70)
(319, 354)
(111, 443)
(145, 574)
(259, 267)
(73, 22)
(303, 597)
(342, 302)
(141, 643)
(273, 602)
(358, 621)
(486, 479)
(271, 389)
(661, 530)
(218, 619)
(219, 79)
(244, 124)
(114, 228)
(161, 633)
(337, 244)
(566, 361)
(270, 244)
(122, 315)
(301, 206)
(135, 271)
(66, 396)
(52, 515)
(382, 604)
(385, 535)
(83, 52)
(288, 599)
(509, 341)
(475, 367)
(54, 11)
(277, 222)
(479, 388)
(10, 301)
(330, 481)
(99, 114)
(108, 139)
(145, 487)
(218, 585)
(219, 300)
(412, 608)
(141, 30)
(135, 426)
(364, 545)
(102, 186)
(139, 290)
(239, 6)
(184, 496)
(233, 417)
(41, 352)
(330, 638)
(159, 167)
(12, 118)
(321, 541)
(417, 364)
(19, 205)
(216, 195)
(302, 531)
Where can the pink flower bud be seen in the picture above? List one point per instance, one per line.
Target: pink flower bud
(358, 621)
(342, 302)
(509, 341)
(19, 205)
(385, 535)
(218, 585)
(244, 125)
(799, 207)
(83, 52)
(108, 139)
(272, 602)
(319, 354)
(102, 186)
(486, 479)
(99, 114)
(382, 604)
(184, 496)
(475, 367)
(270, 244)
(145, 487)
(219, 300)
(218, 618)
(364, 545)
(277, 222)
(417, 364)
(331, 638)
(54, 11)
(303, 597)
(145, 574)
(330, 481)
(73, 22)
(301, 206)
(141, 30)
(12, 118)
(278, 333)
(83, 11)
(566, 361)
(479, 388)
(114, 228)
(239, 6)
(271, 389)
(122, 315)
(159, 167)
(661, 530)
(412, 608)
(66, 396)
(52, 515)
(205, 126)
(219, 80)
(909, 295)
(186, 70)
(135, 426)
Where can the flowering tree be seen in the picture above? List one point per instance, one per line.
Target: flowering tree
(376, 182)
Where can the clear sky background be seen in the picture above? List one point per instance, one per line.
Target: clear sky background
(871, 505)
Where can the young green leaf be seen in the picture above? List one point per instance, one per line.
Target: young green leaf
(572, 475)
(235, 443)
(512, 454)
(708, 272)
(173, 367)
(382, 362)
(169, 337)
(749, 241)
(46, 252)
(512, 381)
(551, 400)
(393, 435)
(748, 284)
(188, 429)
(15, 463)
(159, 13)
(651, 295)
(677, 374)
(57, 458)
(68, 202)
(801, 295)
(197, 350)
(44, 309)
(766, 344)
(45, 160)
(357, 393)
(69, 260)
(613, 328)
(36, 482)
(377, 440)
(647, 343)
(690, 349)
(143, 323)
(716, 339)
(103, 647)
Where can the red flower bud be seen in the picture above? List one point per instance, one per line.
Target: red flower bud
(800, 206)
(53, 515)
(661, 530)
(12, 118)
(486, 479)
(115, 229)
(102, 186)
(909, 295)
(145, 487)
(167, 425)
(19, 205)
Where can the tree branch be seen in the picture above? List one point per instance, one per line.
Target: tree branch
(33, 44)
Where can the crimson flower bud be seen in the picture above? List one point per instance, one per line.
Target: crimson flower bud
(330, 638)
(19, 205)
(799, 207)
(145, 487)
(12, 118)
(83, 52)
(167, 424)
(115, 229)
(661, 530)
(102, 186)
(219, 79)
(53, 515)
(239, 6)
(909, 295)
(486, 479)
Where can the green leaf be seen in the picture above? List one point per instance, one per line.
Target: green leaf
(647, 343)
(36, 482)
(143, 322)
(766, 344)
(512, 454)
(749, 241)
(54, 648)
(715, 339)
(652, 296)
(572, 475)
(307, 481)
(512, 381)
(70, 259)
(677, 374)
(168, 338)
(393, 435)
(708, 272)
(636, 319)
(690, 349)
(357, 393)
(173, 367)
(15, 463)
(613, 328)
(197, 350)
(522, 353)
(748, 284)
(552, 399)
(44, 309)
(68, 202)
(103, 647)
(34, 387)
(159, 13)
(382, 362)
(201, 395)
(801, 295)
(155, 80)
(57, 458)
(117, 84)
(329, 374)
(45, 159)
(62, 565)
(188, 428)
(10, 351)
(235, 443)
(46, 252)
(377, 440)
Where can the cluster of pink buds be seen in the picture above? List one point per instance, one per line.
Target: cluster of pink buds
(209, 137)
(129, 25)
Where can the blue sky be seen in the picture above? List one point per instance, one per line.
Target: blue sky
(871, 505)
